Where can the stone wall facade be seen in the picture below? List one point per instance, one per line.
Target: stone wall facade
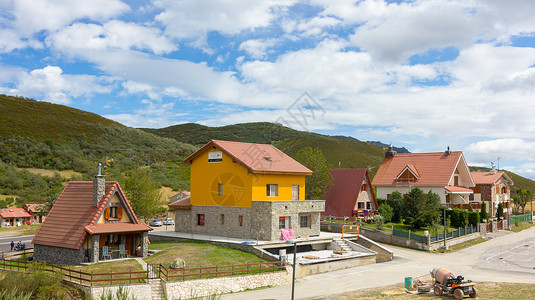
(58, 256)
(199, 288)
(245, 222)
(266, 214)
(225, 285)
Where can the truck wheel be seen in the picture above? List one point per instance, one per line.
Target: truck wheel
(473, 293)
(458, 294)
(437, 291)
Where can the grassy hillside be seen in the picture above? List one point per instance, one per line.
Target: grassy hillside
(195, 134)
(351, 153)
(35, 134)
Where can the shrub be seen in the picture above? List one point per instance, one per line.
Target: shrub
(379, 221)
(499, 211)
(396, 202)
(483, 212)
(386, 212)
(473, 218)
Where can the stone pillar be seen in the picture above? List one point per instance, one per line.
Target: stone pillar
(93, 248)
(145, 244)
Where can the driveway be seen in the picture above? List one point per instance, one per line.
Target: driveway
(504, 258)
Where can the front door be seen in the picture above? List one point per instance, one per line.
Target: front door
(295, 192)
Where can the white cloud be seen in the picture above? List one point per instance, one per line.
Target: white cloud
(50, 84)
(112, 35)
(190, 19)
(507, 149)
(32, 16)
(410, 28)
(257, 48)
(152, 115)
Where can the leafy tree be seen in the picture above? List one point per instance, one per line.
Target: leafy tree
(396, 202)
(470, 207)
(321, 180)
(144, 196)
(499, 211)
(420, 209)
(387, 212)
(522, 197)
(483, 213)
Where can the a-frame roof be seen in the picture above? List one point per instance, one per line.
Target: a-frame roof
(342, 196)
(435, 168)
(65, 225)
(257, 158)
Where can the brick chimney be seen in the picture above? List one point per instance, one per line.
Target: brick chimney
(99, 186)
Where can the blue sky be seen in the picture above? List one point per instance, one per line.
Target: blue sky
(420, 74)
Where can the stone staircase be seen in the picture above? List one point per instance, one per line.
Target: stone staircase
(342, 244)
(156, 289)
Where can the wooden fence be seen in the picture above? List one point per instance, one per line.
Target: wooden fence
(15, 254)
(129, 277)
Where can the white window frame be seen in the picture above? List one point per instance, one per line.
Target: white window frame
(272, 190)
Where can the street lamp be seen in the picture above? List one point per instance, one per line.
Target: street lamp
(445, 209)
(294, 242)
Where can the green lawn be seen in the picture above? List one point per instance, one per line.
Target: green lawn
(198, 255)
(20, 230)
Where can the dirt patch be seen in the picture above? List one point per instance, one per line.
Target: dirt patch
(66, 174)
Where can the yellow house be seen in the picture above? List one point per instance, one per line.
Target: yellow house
(244, 189)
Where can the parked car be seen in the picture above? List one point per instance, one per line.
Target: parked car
(155, 223)
(169, 221)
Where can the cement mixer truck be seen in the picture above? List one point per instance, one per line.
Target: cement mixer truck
(446, 282)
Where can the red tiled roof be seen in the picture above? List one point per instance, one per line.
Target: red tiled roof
(31, 208)
(14, 213)
(433, 168)
(489, 177)
(183, 203)
(458, 189)
(340, 199)
(116, 228)
(257, 158)
(65, 224)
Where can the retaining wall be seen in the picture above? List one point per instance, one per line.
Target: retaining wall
(199, 287)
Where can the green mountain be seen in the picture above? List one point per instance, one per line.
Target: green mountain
(36, 134)
(195, 134)
(350, 153)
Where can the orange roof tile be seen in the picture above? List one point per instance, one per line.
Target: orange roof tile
(489, 177)
(31, 208)
(14, 213)
(65, 224)
(433, 168)
(183, 203)
(340, 199)
(458, 189)
(116, 228)
(257, 158)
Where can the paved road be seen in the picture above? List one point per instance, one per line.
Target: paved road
(482, 262)
(5, 241)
